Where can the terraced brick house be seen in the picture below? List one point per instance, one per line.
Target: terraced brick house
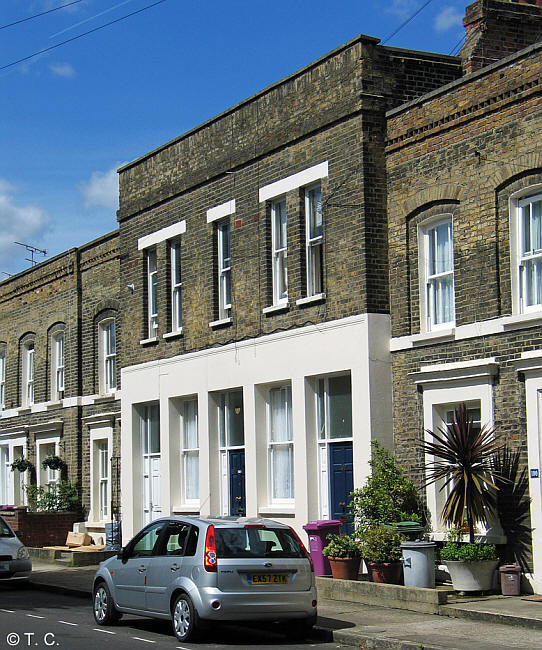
(464, 168)
(60, 377)
(255, 363)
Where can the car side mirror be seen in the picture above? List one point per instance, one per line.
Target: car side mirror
(121, 555)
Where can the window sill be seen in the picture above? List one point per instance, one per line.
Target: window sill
(272, 309)
(221, 322)
(54, 404)
(186, 509)
(173, 335)
(309, 300)
(276, 510)
(489, 538)
(522, 320)
(106, 397)
(153, 339)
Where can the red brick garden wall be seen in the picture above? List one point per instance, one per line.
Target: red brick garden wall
(41, 528)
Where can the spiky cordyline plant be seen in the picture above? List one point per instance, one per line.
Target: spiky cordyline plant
(463, 459)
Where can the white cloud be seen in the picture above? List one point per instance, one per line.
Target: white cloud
(102, 189)
(18, 223)
(62, 70)
(403, 8)
(448, 18)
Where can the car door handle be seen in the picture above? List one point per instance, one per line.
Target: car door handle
(142, 569)
(175, 567)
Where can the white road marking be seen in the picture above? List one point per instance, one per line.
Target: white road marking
(35, 616)
(67, 623)
(138, 638)
(181, 647)
(8, 611)
(97, 629)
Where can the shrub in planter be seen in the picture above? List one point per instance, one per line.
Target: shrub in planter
(464, 460)
(381, 550)
(59, 497)
(21, 464)
(471, 566)
(344, 554)
(387, 496)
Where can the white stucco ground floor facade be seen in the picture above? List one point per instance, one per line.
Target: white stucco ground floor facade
(279, 426)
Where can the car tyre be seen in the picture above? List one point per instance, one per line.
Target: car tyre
(105, 612)
(184, 618)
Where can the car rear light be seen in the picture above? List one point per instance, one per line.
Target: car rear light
(309, 558)
(209, 560)
(254, 526)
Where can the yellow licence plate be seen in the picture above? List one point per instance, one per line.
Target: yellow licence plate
(267, 578)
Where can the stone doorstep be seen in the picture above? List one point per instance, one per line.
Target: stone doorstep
(415, 599)
(68, 557)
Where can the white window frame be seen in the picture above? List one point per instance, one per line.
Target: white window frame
(429, 280)
(279, 253)
(444, 387)
(313, 245)
(152, 293)
(176, 286)
(5, 471)
(187, 452)
(2, 378)
(273, 446)
(45, 447)
(14, 483)
(224, 270)
(525, 259)
(58, 346)
(101, 443)
(323, 442)
(28, 374)
(107, 340)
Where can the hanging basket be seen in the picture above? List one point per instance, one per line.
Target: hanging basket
(53, 462)
(21, 465)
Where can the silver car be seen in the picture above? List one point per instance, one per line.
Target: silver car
(15, 563)
(193, 570)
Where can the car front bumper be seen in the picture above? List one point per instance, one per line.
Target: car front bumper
(15, 569)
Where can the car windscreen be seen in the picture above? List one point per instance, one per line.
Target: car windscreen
(5, 530)
(257, 543)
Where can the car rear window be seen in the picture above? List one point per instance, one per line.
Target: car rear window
(257, 543)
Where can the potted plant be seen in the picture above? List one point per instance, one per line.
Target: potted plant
(381, 550)
(344, 555)
(388, 496)
(463, 458)
(21, 464)
(53, 462)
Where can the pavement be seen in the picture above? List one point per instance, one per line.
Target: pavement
(476, 623)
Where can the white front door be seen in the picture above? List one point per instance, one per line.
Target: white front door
(150, 433)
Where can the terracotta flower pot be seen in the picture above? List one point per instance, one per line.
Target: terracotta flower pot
(386, 572)
(345, 568)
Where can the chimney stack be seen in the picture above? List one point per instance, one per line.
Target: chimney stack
(494, 29)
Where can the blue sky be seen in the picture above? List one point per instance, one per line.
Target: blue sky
(70, 117)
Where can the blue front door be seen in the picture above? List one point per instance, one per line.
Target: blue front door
(342, 482)
(236, 464)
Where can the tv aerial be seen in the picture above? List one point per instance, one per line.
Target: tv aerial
(32, 250)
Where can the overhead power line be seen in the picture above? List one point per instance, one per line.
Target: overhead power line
(406, 22)
(23, 20)
(74, 38)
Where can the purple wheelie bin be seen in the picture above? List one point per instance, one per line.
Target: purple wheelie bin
(318, 532)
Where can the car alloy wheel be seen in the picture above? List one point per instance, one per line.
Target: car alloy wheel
(104, 609)
(184, 618)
